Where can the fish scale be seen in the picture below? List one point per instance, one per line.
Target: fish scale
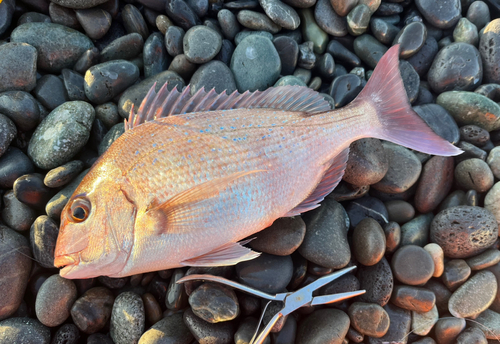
(182, 189)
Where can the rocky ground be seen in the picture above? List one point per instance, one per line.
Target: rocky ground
(423, 230)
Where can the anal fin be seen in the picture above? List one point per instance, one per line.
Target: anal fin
(331, 178)
(228, 254)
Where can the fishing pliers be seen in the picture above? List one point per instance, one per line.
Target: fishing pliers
(293, 300)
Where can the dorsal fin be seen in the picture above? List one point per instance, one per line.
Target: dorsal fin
(166, 103)
(331, 178)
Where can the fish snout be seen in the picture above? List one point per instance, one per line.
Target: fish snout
(65, 260)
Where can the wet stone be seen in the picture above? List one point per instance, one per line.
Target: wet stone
(412, 265)
(201, 44)
(440, 121)
(127, 318)
(383, 31)
(474, 296)
(456, 272)
(13, 164)
(73, 85)
(62, 175)
(470, 152)
(457, 67)
(368, 242)
(369, 319)
(23, 330)
(344, 89)
(246, 330)
(15, 214)
(306, 58)
(52, 309)
(155, 55)
(364, 207)
(267, 273)
(323, 326)
(133, 21)
(255, 64)
(443, 15)
(214, 74)
(466, 32)
(170, 329)
(325, 65)
(326, 233)
(288, 51)
(8, 132)
(95, 21)
(446, 330)
(413, 298)
(423, 58)
(437, 255)
(411, 37)
(152, 308)
(17, 66)
(464, 231)
(173, 40)
(21, 108)
(378, 282)
(328, 20)
(416, 231)
(282, 238)
(400, 211)
(58, 46)
(125, 47)
(205, 332)
(15, 264)
(50, 91)
(43, 236)
(474, 174)
(280, 13)
(89, 58)
(342, 54)
(176, 297)
(358, 20)
(404, 169)
(92, 310)
(105, 81)
(400, 322)
(471, 108)
(99, 338)
(51, 147)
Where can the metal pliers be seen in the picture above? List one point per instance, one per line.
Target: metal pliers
(293, 300)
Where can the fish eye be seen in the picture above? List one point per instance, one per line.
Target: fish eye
(80, 209)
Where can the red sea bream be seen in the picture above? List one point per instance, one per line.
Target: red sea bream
(194, 175)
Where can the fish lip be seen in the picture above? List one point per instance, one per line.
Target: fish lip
(66, 261)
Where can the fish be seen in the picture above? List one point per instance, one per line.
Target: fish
(194, 176)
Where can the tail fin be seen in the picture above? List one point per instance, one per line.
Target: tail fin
(398, 122)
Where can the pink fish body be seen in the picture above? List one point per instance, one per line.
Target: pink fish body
(183, 190)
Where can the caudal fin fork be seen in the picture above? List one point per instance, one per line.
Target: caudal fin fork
(398, 122)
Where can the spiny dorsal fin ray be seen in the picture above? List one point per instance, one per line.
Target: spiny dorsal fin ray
(166, 103)
(331, 179)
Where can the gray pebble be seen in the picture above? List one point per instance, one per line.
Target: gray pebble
(455, 273)
(383, 31)
(289, 80)
(169, 330)
(488, 45)
(92, 310)
(24, 331)
(43, 237)
(50, 91)
(204, 332)
(133, 21)
(173, 40)
(400, 322)
(268, 273)
(444, 14)
(201, 44)
(369, 50)
(13, 164)
(8, 132)
(246, 330)
(329, 20)
(214, 303)
(280, 13)
(367, 163)
(323, 326)
(58, 46)
(479, 14)
(257, 21)
(73, 84)
(127, 318)
(358, 20)
(155, 55)
(77, 4)
(17, 67)
(16, 214)
(474, 174)
(115, 132)
(282, 238)
(228, 23)
(466, 32)
(416, 231)
(378, 282)
(64, 16)
(95, 21)
(21, 108)
(61, 134)
(125, 47)
(52, 308)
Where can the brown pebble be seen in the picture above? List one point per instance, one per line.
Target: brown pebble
(413, 298)
(400, 211)
(355, 336)
(412, 265)
(435, 182)
(92, 310)
(369, 319)
(151, 308)
(473, 134)
(455, 273)
(368, 242)
(441, 292)
(474, 174)
(392, 232)
(367, 163)
(484, 260)
(53, 308)
(447, 329)
(437, 255)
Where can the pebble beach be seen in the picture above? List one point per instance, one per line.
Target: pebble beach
(422, 230)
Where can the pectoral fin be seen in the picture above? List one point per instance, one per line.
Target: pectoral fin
(229, 254)
(185, 211)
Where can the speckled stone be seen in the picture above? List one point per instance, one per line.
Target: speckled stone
(488, 322)
(368, 242)
(201, 44)
(127, 318)
(484, 260)
(169, 330)
(53, 308)
(280, 13)
(474, 296)
(61, 134)
(378, 282)
(464, 231)
(23, 330)
(492, 201)
(369, 319)
(58, 46)
(367, 163)
(77, 4)
(323, 326)
(17, 67)
(489, 43)
(282, 238)
(16, 214)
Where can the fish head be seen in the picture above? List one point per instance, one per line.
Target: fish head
(96, 234)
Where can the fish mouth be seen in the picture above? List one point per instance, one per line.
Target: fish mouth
(66, 263)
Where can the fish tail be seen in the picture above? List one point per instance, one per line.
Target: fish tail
(397, 122)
